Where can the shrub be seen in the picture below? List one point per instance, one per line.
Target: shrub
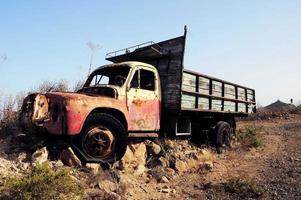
(52, 86)
(249, 137)
(44, 183)
(244, 188)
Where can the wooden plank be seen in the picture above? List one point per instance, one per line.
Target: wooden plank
(203, 103)
(242, 107)
(189, 82)
(229, 106)
(188, 101)
(216, 88)
(204, 85)
(241, 93)
(216, 104)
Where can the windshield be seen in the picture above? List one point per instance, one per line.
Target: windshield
(108, 76)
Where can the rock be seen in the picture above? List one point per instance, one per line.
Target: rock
(39, 156)
(165, 190)
(113, 196)
(153, 148)
(57, 164)
(107, 186)
(158, 162)
(139, 153)
(140, 169)
(69, 158)
(93, 167)
(180, 166)
(22, 157)
(127, 159)
(208, 165)
(164, 179)
(170, 172)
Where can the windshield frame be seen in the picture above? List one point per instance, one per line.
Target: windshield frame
(103, 69)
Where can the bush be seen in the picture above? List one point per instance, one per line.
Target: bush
(43, 183)
(52, 86)
(249, 137)
(8, 114)
(244, 188)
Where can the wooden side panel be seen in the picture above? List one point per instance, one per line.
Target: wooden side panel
(250, 95)
(216, 105)
(241, 94)
(188, 101)
(203, 103)
(204, 85)
(204, 93)
(241, 107)
(229, 106)
(229, 91)
(189, 82)
(217, 88)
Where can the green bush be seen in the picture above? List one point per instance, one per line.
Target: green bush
(244, 188)
(43, 183)
(249, 137)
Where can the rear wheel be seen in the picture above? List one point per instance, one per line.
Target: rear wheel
(222, 132)
(103, 139)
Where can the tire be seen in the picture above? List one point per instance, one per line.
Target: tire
(102, 139)
(222, 132)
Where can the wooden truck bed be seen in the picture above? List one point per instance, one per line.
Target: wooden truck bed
(204, 93)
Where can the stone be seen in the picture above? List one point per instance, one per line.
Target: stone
(153, 148)
(107, 185)
(180, 166)
(139, 153)
(57, 164)
(127, 159)
(93, 167)
(39, 156)
(113, 196)
(69, 158)
(208, 165)
(164, 179)
(140, 169)
(158, 162)
(170, 172)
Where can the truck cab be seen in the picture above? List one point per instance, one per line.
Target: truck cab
(115, 101)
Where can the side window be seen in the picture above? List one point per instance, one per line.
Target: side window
(147, 80)
(135, 80)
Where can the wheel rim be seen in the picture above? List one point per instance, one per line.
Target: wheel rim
(99, 142)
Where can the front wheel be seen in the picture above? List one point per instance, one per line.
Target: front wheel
(103, 139)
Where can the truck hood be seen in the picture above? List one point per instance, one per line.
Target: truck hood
(37, 108)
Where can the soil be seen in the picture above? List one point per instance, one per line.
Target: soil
(276, 167)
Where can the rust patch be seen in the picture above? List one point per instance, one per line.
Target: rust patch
(40, 109)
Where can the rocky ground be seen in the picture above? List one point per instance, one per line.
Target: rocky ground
(178, 169)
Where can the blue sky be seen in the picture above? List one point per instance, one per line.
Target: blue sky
(255, 43)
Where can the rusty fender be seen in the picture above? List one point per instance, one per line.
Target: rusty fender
(65, 113)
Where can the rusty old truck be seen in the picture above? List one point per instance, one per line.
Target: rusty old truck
(145, 92)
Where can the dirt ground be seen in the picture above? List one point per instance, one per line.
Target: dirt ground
(272, 170)
(275, 167)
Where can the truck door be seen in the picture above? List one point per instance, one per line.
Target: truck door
(143, 100)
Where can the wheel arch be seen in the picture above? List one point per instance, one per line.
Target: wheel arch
(119, 115)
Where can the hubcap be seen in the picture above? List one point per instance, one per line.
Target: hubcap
(99, 142)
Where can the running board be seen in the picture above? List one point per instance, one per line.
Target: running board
(143, 135)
